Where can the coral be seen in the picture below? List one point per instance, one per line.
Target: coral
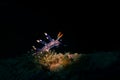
(93, 66)
(54, 61)
(52, 65)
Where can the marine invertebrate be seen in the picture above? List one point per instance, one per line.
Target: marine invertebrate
(51, 60)
(47, 46)
(54, 61)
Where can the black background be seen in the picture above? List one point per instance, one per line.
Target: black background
(86, 28)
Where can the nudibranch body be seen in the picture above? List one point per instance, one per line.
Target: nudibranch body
(52, 43)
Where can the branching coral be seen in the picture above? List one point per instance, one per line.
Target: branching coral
(56, 61)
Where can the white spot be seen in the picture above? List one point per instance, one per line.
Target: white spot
(38, 41)
(47, 37)
(45, 34)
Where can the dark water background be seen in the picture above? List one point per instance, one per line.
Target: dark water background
(85, 29)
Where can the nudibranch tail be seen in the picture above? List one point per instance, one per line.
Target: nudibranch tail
(59, 35)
